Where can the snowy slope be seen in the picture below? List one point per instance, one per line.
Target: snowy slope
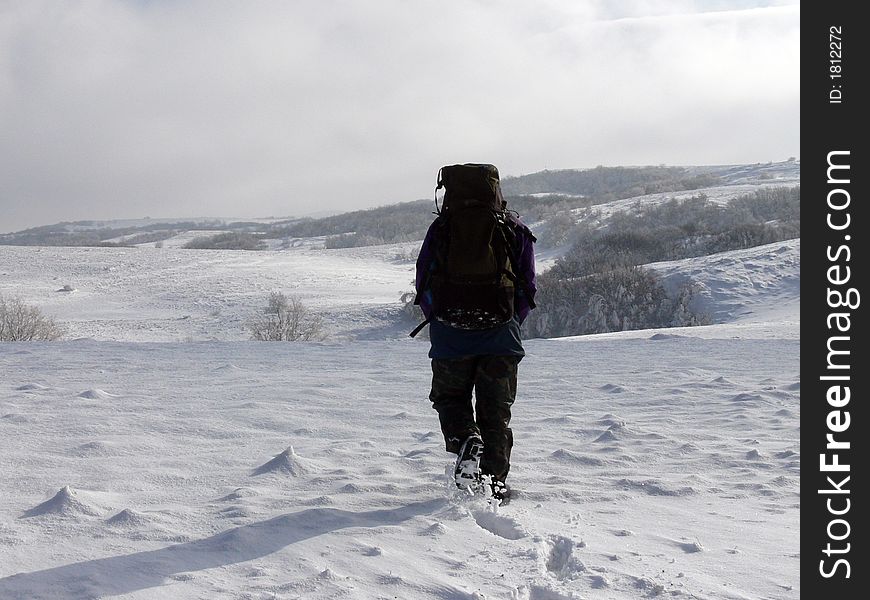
(659, 466)
(785, 172)
(150, 294)
(720, 194)
(168, 294)
(760, 284)
(80, 226)
(737, 181)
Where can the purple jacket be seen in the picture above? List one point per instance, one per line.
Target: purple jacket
(525, 253)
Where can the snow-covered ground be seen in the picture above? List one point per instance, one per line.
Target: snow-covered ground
(169, 294)
(134, 465)
(786, 172)
(660, 466)
(720, 194)
(760, 284)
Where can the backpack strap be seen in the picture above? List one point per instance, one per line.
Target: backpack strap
(517, 276)
(439, 183)
(438, 242)
(419, 327)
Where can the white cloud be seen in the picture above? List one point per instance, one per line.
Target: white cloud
(115, 108)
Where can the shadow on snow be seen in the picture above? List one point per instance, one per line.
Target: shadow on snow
(132, 572)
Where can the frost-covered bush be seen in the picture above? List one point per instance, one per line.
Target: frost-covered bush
(618, 298)
(286, 319)
(679, 229)
(412, 314)
(227, 241)
(351, 240)
(20, 322)
(557, 230)
(407, 255)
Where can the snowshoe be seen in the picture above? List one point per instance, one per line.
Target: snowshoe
(501, 492)
(467, 469)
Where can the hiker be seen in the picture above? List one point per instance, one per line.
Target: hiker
(475, 284)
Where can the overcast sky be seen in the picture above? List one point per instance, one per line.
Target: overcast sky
(171, 108)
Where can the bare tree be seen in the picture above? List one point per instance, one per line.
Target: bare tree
(286, 319)
(20, 322)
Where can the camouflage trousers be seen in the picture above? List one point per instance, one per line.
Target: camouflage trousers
(494, 382)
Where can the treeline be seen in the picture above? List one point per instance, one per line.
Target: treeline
(227, 241)
(608, 183)
(557, 193)
(402, 222)
(678, 229)
(78, 233)
(59, 239)
(409, 221)
(600, 285)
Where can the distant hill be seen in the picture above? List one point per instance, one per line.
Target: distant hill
(538, 197)
(122, 232)
(605, 263)
(612, 182)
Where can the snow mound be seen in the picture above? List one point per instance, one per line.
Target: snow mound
(607, 436)
(580, 459)
(30, 387)
(561, 562)
(690, 547)
(239, 493)
(612, 388)
(653, 487)
(66, 502)
(288, 463)
(435, 529)
(610, 420)
(665, 336)
(95, 448)
(746, 397)
(318, 501)
(16, 418)
(128, 518)
(96, 394)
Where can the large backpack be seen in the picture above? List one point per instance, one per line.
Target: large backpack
(475, 275)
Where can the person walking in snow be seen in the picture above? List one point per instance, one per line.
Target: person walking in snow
(475, 285)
